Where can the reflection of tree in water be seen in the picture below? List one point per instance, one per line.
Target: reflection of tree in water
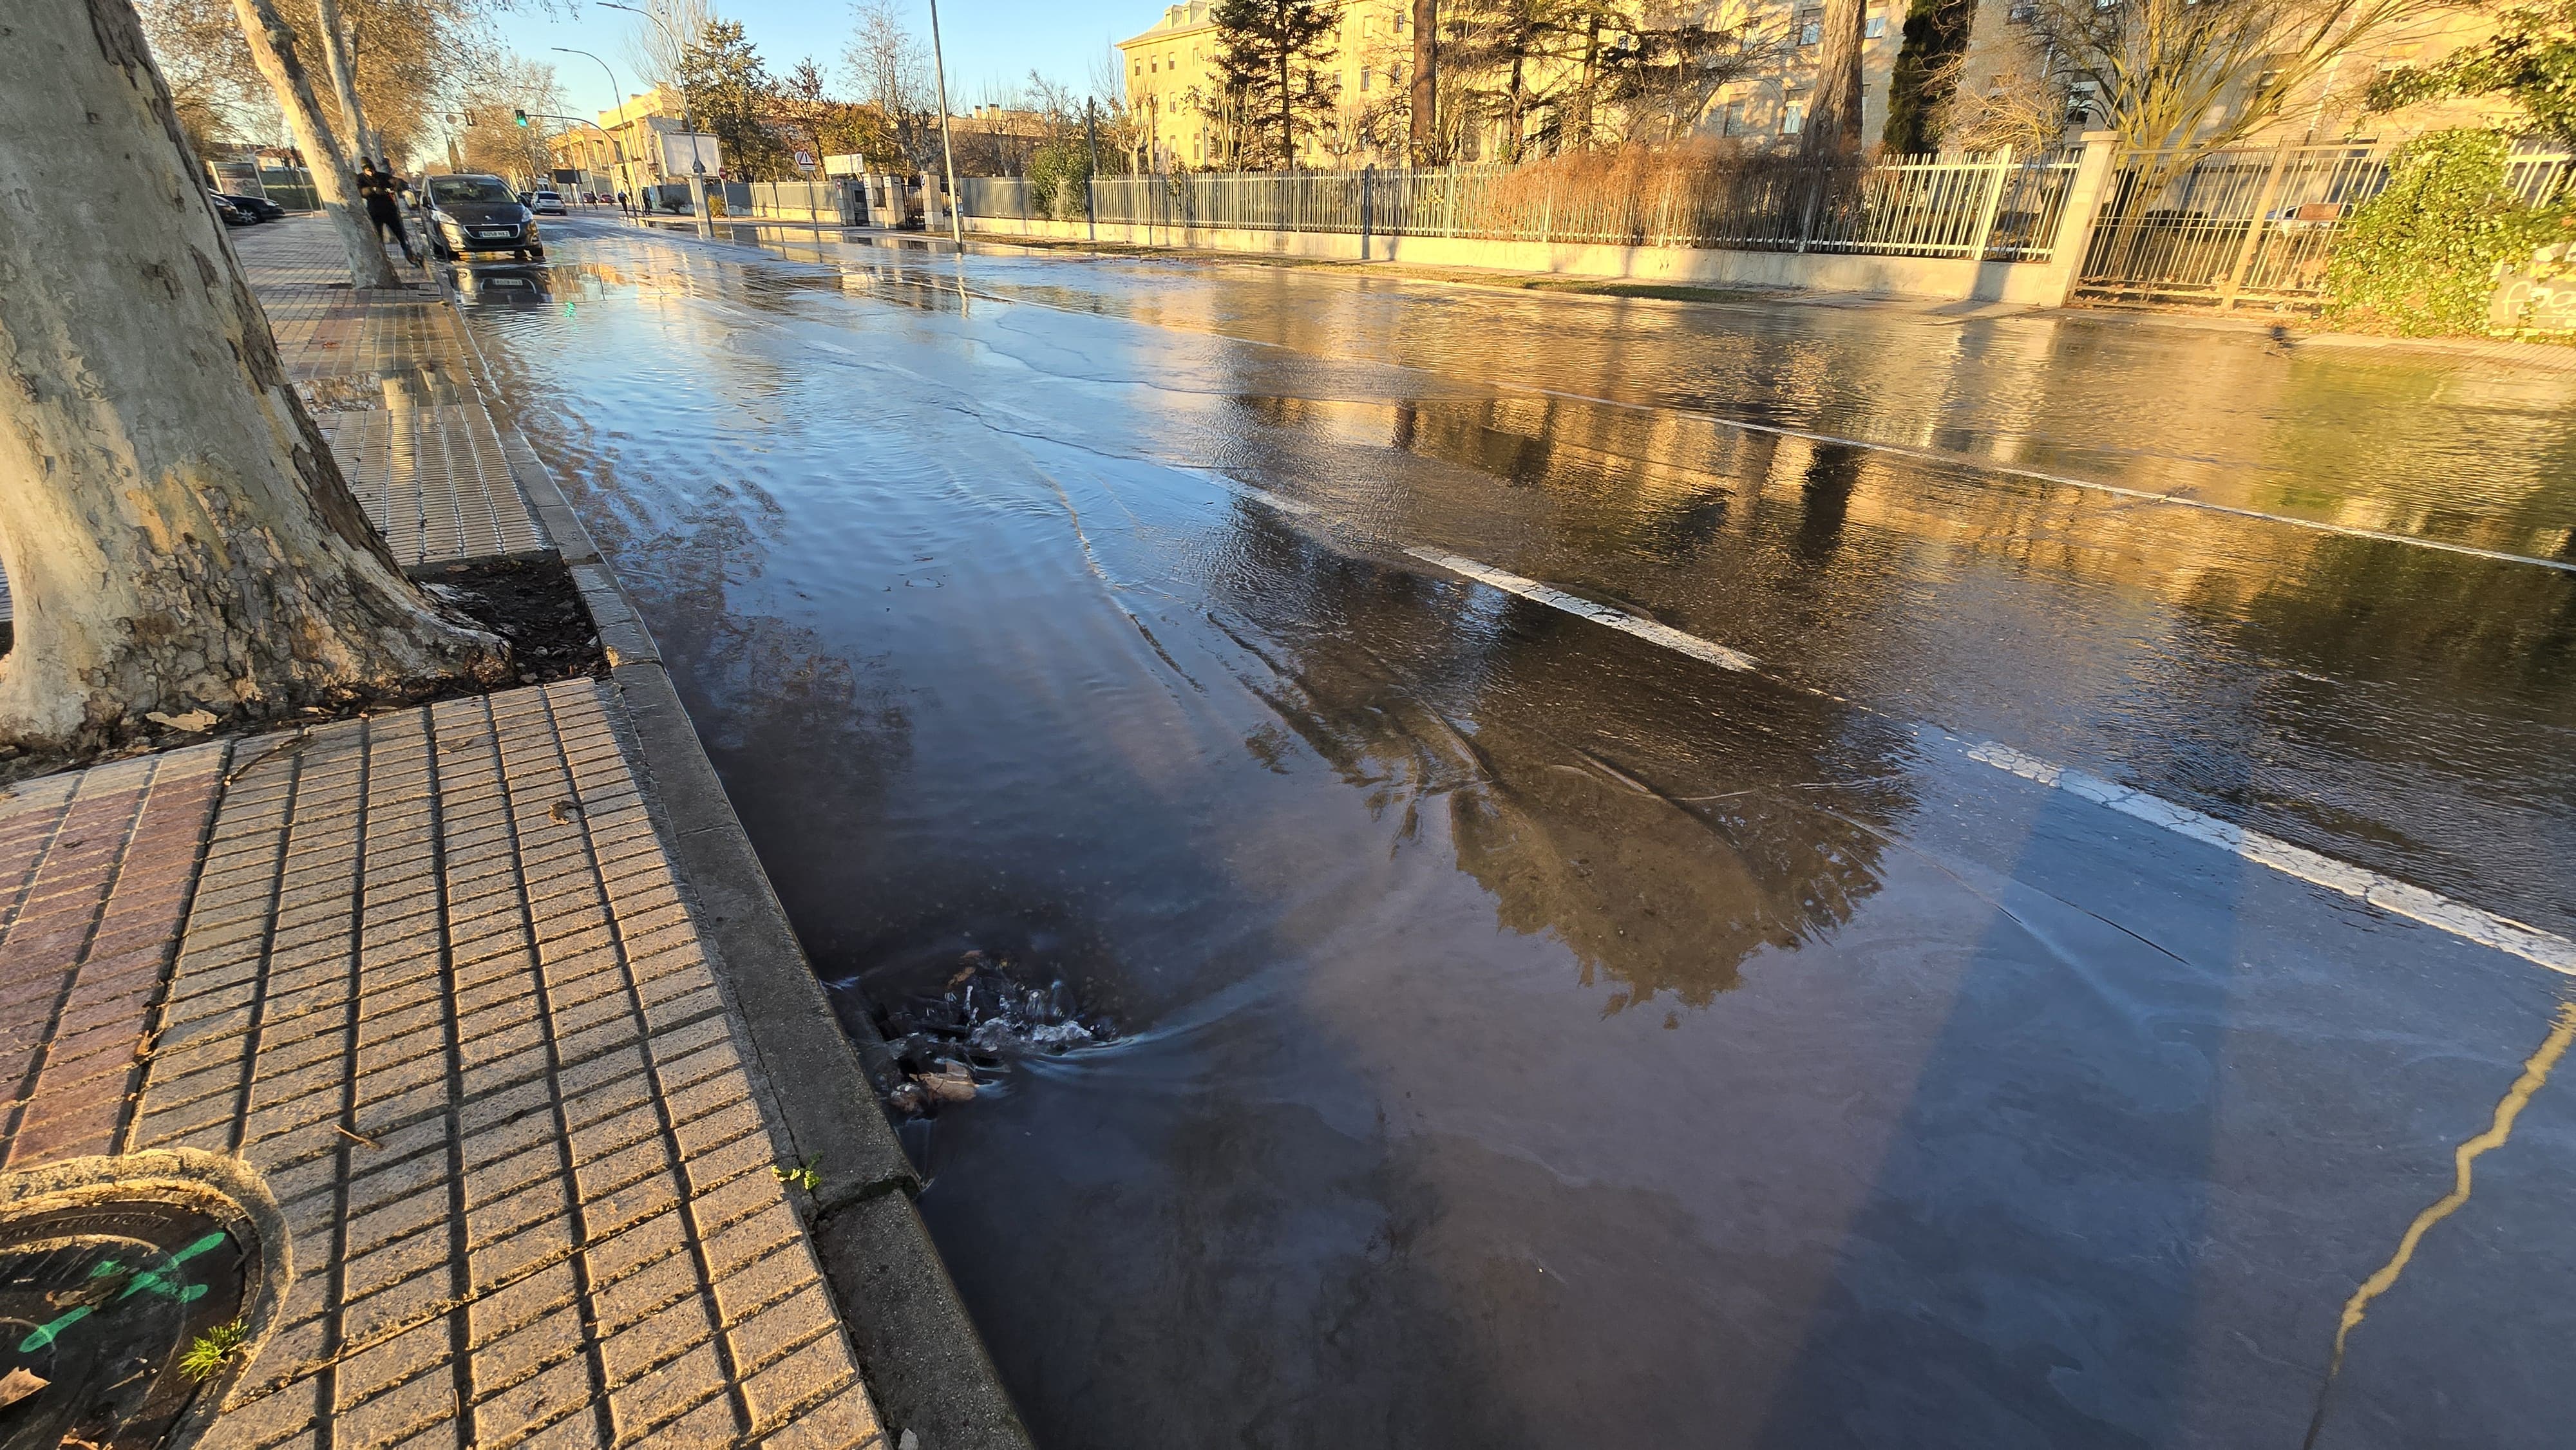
(1662, 822)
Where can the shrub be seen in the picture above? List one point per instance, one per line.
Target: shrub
(1057, 176)
(2420, 258)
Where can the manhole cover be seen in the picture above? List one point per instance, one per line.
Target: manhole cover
(99, 1305)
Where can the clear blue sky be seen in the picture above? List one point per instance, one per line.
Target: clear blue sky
(989, 42)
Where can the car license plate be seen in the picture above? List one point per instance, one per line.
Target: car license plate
(491, 231)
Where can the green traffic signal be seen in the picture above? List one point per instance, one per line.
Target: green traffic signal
(522, 116)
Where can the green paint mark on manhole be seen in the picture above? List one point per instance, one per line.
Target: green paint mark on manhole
(99, 1306)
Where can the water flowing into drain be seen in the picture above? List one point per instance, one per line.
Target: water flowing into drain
(991, 1010)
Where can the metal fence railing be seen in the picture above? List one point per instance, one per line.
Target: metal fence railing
(2250, 223)
(1993, 207)
(795, 200)
(293, 190)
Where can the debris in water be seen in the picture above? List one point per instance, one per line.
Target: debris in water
(952, 1045)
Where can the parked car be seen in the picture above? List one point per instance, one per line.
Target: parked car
(227, 213)
(469, 213)
(546, 203)
(259, 208)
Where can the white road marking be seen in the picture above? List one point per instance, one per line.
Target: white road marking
(1618, 619)
(2398, 898)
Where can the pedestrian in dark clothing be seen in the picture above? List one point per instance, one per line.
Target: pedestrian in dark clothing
(624, 205)
(384, 208)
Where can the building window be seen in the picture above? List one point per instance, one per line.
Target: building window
(1876, 28)
(1791, 118)
(1811, 31)
(2079, 102)
(1730, 119)
(1364, 78)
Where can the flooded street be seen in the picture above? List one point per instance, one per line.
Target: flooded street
(1730, 1018)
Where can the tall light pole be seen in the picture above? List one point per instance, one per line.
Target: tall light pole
(947, 152)
(680, 49)
(616, 101)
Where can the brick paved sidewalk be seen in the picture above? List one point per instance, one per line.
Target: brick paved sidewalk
(386, 377)
(433, 976)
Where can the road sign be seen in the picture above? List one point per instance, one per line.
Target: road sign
(804, 158)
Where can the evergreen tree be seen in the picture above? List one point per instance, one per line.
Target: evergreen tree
(1927, 73)
(730, 92)
(1271, 67)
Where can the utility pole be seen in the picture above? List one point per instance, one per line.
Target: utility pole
(947, 152)
(688, 121)
(1091, 168)
(616, 102)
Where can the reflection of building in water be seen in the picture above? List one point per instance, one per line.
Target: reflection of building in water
(1597, 798)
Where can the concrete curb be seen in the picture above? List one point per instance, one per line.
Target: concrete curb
(924, 1362)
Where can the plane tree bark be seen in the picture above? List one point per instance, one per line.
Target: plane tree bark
(272, 50)
(342, 64)
(176, 534)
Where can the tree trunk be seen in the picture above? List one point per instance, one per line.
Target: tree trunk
(1579, 137)
(272, 48)
(174, 529)
(1287, 101)
(338, 54)
(1832, 131)
(1424, 134)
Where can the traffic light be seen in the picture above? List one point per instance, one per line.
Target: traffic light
(521, 116)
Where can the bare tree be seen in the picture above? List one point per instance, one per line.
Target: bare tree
(1660, 80)
(2021, 106)
(496, 142)
(344, 79)
(890, 70)
(174, 527)
(1422, 130)
(272, 49)
(659, 47)
(2180, 78)
(410, 57)
(203, 57)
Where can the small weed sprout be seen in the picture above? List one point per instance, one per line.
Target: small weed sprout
(803, 1175)
(212, 1350)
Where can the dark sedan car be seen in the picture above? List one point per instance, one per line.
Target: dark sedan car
(470, 214)
(257, 208)
(227, 213)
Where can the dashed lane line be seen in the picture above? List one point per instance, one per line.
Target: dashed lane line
(2399, 898)
(1618, 619)
(2389, 894)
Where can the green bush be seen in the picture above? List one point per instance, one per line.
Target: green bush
(1057, 175)
(2419, 259)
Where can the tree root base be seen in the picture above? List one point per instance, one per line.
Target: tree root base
(531, 603)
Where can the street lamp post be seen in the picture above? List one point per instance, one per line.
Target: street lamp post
(947, 152)
(688, 121)
(616, 147)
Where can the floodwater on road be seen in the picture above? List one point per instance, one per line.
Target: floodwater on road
(1533, 1032)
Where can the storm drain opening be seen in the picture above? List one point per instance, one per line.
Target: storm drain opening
(959, 1035)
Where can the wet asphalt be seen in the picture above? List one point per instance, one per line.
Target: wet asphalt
(1536, 1034)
